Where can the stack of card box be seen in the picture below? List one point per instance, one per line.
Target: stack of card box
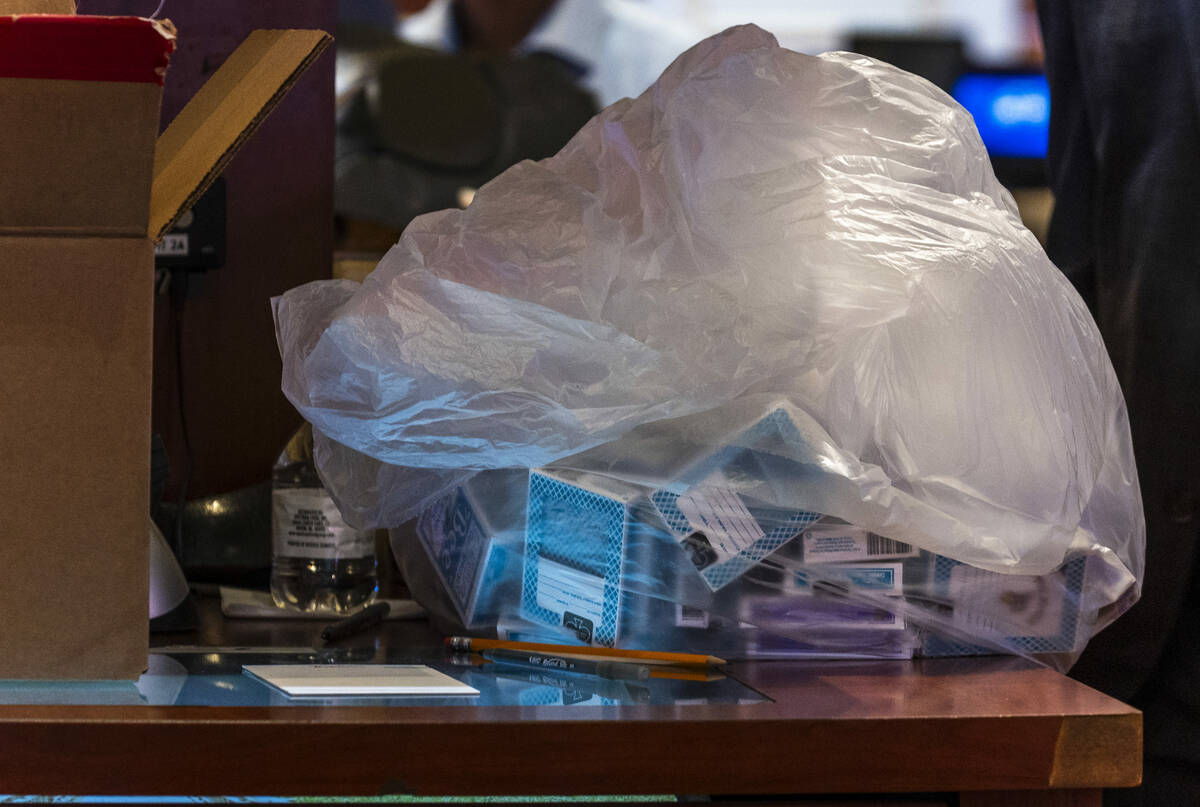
(592, 540)
(602, 563)
(811, 611)
(594, 559)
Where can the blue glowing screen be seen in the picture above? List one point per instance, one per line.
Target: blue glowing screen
(1011, 111)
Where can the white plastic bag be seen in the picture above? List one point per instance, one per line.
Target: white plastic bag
(760, 228)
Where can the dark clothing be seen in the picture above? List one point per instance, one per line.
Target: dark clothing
(1125, 169)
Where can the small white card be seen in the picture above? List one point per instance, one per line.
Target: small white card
(686, 617)
(878, 578)
(573, 596)
(300, 680)
(1009, 604)
(722, 517)
(836, 543)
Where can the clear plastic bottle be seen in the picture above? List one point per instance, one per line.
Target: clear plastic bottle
(319, 562)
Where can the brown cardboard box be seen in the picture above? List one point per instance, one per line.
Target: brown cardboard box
(85, 190)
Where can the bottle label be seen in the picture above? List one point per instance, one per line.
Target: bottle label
(307, 524)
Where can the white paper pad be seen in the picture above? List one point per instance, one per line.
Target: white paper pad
(299, 680)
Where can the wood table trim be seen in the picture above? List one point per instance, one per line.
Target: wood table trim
(982, 725)
(759, 748)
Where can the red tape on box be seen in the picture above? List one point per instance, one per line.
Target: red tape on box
(83, 48)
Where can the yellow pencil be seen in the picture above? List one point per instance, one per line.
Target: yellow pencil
(691, 673)
(467, 643)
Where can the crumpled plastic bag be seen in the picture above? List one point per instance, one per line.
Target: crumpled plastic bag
(758, 226)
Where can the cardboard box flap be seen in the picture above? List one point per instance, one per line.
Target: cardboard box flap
(206, 134)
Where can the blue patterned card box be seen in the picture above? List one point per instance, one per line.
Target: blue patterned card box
(579, 527)
(471, 564)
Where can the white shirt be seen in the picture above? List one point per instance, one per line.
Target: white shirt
(620, 46)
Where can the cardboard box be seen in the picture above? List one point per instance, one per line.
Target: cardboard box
(87, 188)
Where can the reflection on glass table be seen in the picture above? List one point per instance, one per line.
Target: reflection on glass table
(203, 677)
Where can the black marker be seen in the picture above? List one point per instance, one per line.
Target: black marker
(619, 670)
(368, 617)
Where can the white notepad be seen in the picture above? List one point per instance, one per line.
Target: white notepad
(300, 680)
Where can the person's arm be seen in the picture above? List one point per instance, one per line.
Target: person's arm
(1070, 153)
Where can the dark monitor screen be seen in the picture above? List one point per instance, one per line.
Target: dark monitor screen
(1011, 111)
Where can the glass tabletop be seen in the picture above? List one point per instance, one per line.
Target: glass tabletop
(214, 677)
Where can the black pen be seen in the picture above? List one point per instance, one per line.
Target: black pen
(618, 670)
(366, 618)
